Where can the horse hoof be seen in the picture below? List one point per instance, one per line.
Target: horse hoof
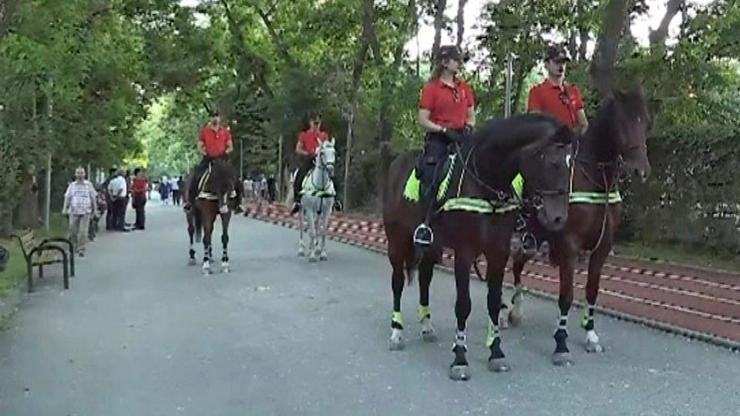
(301, 253)
(429, 335)
(312, 259)
(191, 262)
(225, 268)
(460, 372)
(323, 257)
(396, 344)
(594, 347)
(498, 365)
(515, 317)
(562, 359)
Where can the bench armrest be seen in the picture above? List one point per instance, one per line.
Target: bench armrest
(58, 240)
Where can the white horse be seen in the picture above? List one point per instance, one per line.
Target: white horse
(317, 201)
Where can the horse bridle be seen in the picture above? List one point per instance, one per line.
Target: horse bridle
(535, 202)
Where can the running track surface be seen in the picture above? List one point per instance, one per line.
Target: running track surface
(697, 303)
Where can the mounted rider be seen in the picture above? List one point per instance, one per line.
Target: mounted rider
(447, 115)
(560, 99)
(305, 149)
(557, 97)
(215, 144)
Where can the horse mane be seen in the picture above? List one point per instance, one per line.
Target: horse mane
(519, 131)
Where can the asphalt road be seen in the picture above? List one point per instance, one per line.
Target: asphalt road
(142, 333)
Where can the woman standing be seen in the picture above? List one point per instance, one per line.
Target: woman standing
(447, 114)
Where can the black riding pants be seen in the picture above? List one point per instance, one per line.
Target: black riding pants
(436, 150)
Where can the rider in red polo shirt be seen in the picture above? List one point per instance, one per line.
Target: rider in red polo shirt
(305, 149)
(214, 143)
(555, 96)
(447, 114)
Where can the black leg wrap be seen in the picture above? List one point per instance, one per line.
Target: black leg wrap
(496, 351)
(561, 338)
(396, 325)
(460, 358)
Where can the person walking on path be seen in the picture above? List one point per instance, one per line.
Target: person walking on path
(109, 219)
(118, 191)
(175, 186)
(79, 204)
(139, 187)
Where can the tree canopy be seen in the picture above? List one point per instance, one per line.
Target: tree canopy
(101, 83)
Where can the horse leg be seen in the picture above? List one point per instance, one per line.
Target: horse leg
(516, 314)
(301, 233)
(207, 230)
(225, 243)
(397, 255)
(426, 270)
(567, 257)
(595, 264)
(312, 225)
(459, 369)
(324, 229)
(191, 252)
(496, 260)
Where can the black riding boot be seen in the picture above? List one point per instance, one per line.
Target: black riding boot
(423, 234)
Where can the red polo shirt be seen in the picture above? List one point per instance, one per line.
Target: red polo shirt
(310, 140)
(562, 103)
(448, 104)
(139, 186)
(215, 141)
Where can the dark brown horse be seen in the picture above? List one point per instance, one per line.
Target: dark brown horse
(614, 144)
(195, 228)
(534, 145)
(216, 198)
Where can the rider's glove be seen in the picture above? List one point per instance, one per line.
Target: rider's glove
(453, 135)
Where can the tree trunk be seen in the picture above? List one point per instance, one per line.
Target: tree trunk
(605, 55)
(439, 24)
(572, 44)
(7, 8)
(583, 46)
(658, 36)
(460, 21)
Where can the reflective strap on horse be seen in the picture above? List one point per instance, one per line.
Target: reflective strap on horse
(595, 197)
(479, 206)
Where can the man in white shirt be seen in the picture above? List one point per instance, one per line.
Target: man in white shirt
(117, 189)
(79, 204)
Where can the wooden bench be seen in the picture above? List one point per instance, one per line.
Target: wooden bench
(43, 252)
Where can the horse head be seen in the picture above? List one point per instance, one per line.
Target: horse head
(629, 123)
(326, 156)
(545, 166)
(539, 148)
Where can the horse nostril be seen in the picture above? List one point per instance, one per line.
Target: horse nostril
(558, 220)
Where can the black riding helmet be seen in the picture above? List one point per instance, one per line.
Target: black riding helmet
(449, 52)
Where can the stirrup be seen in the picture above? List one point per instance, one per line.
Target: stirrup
(529, 243)
(423, 236)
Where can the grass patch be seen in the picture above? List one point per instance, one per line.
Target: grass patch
(15, 271)
(679, 255)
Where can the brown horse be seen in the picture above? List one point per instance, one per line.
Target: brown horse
(482, 223)
(216, 198)
(614, 144)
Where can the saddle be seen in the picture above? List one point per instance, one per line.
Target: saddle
(412, 190)
(204, 186)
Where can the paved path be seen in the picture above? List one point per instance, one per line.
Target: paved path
(701, 303)
(140, 333)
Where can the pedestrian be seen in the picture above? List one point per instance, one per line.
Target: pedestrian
(164, 190)
(118, 191)
(139, 186)
(109, 221)
(79, 205)
(175, 187)
(102, 205)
